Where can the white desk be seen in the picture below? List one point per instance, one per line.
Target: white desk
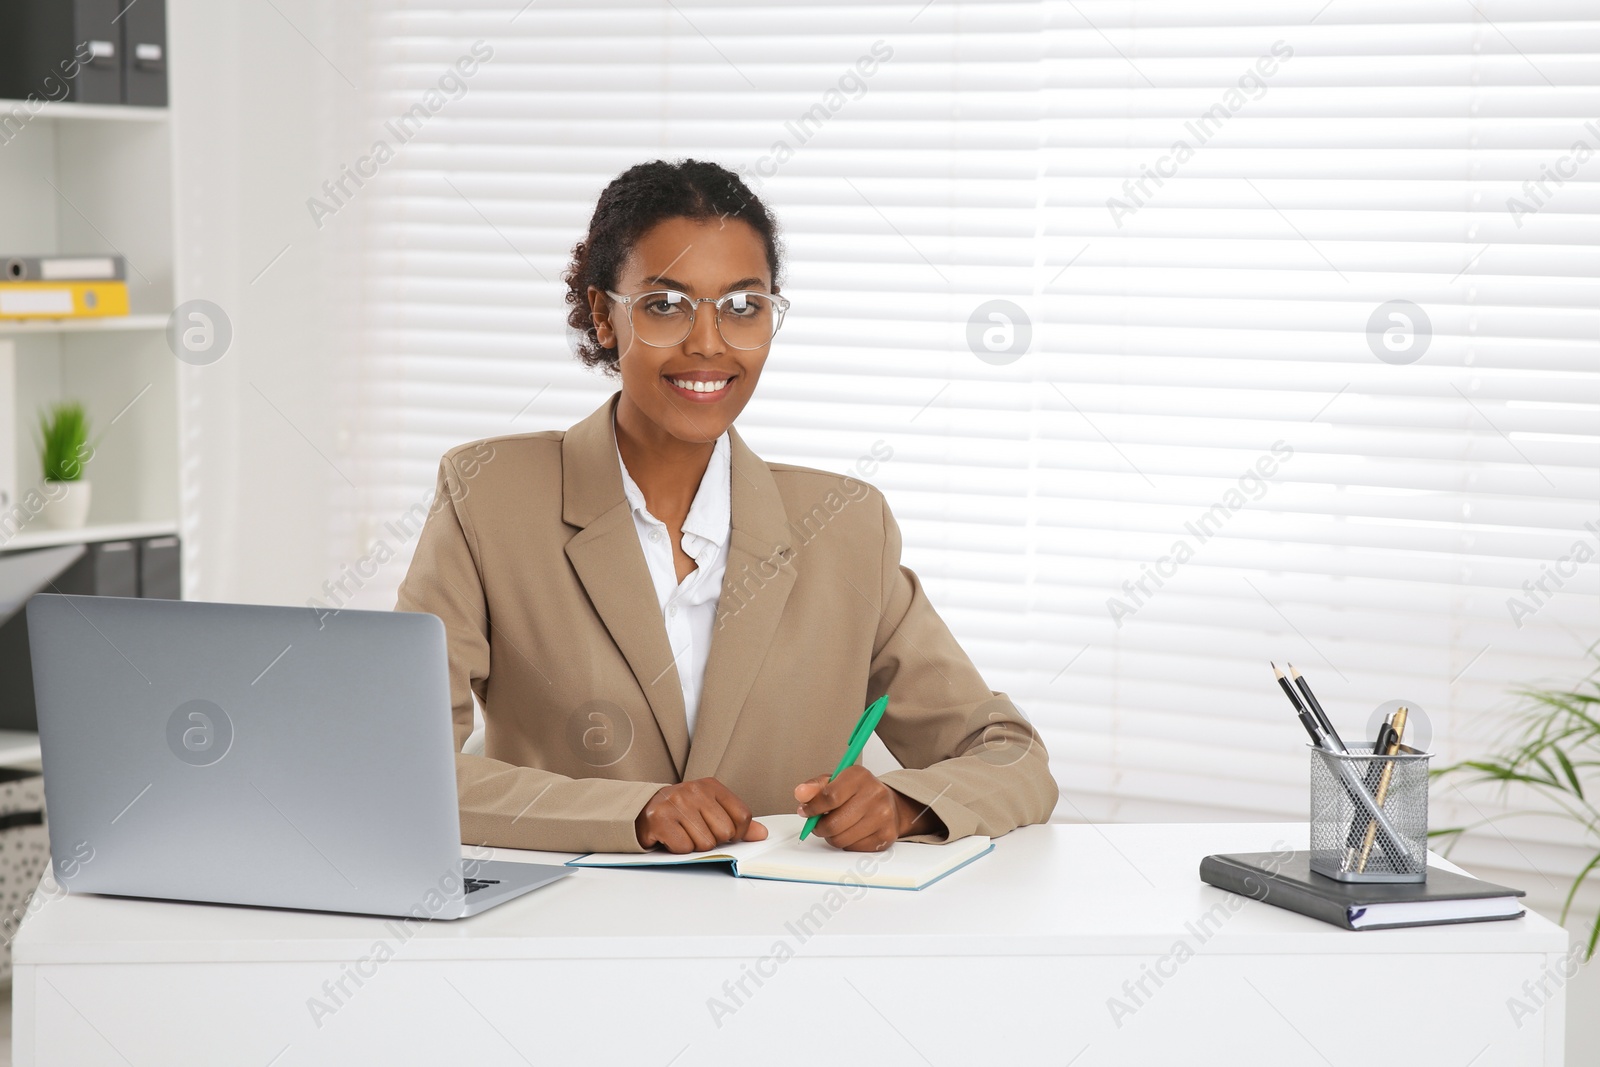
(1014, 959)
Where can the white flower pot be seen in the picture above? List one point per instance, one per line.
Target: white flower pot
(68, 508)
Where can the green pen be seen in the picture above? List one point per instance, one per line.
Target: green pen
(858, 741)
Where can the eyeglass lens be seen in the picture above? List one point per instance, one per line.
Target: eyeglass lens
(664, 318)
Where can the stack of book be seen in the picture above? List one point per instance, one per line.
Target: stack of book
(62, 287)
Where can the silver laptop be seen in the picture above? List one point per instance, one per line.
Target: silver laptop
(245, 754)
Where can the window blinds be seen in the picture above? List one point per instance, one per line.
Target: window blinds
(1201, 335)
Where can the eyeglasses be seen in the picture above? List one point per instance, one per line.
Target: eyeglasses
(662, 318)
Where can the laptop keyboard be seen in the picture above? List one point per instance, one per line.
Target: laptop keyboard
(475, 884)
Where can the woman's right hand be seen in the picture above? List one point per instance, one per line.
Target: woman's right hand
(694, 817)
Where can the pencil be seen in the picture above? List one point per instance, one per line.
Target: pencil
(1316, 710)
(1307, 720)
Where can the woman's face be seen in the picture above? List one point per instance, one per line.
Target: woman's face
(701, 258)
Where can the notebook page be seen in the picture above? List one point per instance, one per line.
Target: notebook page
(739, 850)
(905, 865)
(1435, 911)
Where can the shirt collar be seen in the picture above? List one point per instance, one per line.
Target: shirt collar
(710, 514)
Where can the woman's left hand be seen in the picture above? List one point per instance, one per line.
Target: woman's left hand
(860, 813)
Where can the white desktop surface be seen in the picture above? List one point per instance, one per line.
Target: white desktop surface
(1024, 949)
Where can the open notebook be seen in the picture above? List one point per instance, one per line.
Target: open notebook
(785, 858)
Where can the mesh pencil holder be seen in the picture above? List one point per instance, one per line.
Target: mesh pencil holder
(1369, 814)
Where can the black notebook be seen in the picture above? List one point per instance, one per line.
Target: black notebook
(1446, 897)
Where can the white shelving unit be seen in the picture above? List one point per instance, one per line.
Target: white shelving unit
(90, 179)
(93, 179)
(39, 536)
(110, 324)
(56, 110)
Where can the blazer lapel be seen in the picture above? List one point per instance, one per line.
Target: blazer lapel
(605, 553)
(749, 607)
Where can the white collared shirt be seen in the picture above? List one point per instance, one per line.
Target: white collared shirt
(689, 610)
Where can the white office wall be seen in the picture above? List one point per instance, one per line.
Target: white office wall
(8, 429)
(267, 99)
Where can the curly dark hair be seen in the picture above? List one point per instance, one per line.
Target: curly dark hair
(637, 199)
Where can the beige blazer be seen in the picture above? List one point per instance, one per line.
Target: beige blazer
(530, 557)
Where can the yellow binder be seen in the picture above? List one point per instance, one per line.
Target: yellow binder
(62, 300)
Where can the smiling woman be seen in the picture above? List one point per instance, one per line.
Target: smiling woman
(665, 242)
(613, 721)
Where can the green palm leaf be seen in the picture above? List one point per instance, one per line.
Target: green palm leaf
(1554, 740)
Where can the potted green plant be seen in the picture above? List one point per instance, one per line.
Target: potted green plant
(1552, 748)
(63, 452)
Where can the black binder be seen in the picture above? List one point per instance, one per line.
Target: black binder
(61, 50)
(144, 53)
(116, 568)
(159, 571)
(1286, 880)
